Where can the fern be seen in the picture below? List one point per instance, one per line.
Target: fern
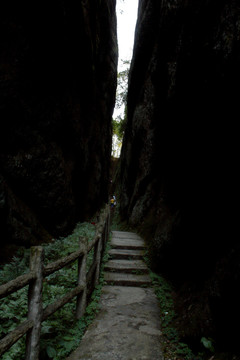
(60, 333)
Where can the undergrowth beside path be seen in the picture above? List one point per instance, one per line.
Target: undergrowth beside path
(174, 349)
(61, 333)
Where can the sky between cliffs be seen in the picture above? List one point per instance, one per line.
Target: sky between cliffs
(126, 22)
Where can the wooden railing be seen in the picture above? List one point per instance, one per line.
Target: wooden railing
(86, 281)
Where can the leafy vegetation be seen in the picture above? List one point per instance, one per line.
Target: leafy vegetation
(119, 122)
(173, 347)
(208, 343)
(118, 125)
(61, 333)
(122, 84)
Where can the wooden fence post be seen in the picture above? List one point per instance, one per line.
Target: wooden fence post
(103, 235)
(107, 225)
(35, 303)
(97, 258)
(32, 326)
(82, 280)
(106, 231)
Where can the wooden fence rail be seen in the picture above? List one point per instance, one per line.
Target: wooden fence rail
(34, 279)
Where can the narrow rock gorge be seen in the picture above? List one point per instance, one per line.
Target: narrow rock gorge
(58, 64)
(178, 166)
(177, 175)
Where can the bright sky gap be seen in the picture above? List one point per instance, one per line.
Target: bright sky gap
(126, 22)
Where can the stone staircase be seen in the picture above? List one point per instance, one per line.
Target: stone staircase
(127, 326)
(126, 266)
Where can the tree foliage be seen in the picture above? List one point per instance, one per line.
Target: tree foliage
(122, 85)
(118, 123)
(119, 126)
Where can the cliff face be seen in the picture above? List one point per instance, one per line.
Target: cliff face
(58, 63)
(178, 162)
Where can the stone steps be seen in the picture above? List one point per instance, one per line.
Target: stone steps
(125, 254)
(130, 244)
(125, 235)
(126, 267)
(122, 279)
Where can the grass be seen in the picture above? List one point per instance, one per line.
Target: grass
(60, 333)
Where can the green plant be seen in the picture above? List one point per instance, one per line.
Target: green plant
(137, 272)
(208, 344)
(60, 333)
(173, 347)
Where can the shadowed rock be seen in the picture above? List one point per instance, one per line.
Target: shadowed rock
(177, 178)
(58, 65)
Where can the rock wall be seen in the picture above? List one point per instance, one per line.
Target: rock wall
(58, 63)
(178, 172)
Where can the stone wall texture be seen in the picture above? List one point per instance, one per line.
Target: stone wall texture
(58, 63)
(178, 171)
